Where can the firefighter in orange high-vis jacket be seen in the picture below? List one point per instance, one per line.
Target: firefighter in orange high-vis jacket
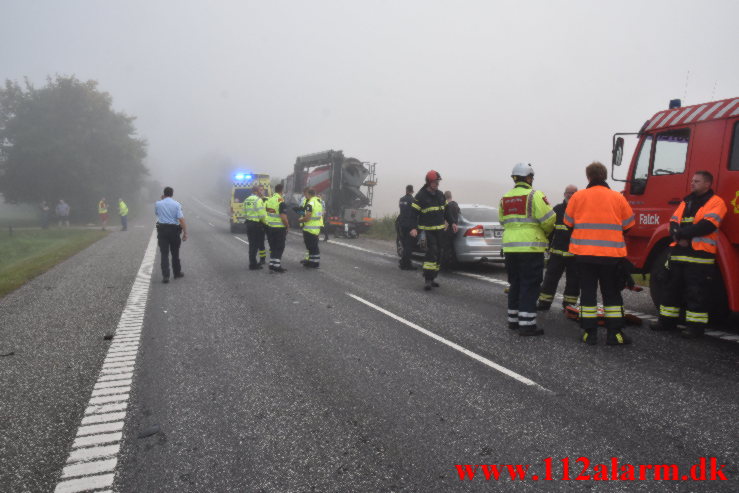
(692, 263)
(599, 217)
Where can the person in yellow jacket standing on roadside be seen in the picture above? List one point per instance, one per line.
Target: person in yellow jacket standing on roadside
(599, 217)
(123, 212)
(527, 220)
(103, 213)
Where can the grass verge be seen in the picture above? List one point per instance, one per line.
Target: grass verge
(25, 254)
(382, 228)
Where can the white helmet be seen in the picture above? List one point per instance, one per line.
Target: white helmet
(522, 169)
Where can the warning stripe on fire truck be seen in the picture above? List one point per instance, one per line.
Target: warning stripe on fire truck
(699, 112)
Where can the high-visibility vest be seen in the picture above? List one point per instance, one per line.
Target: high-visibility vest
(713, 211)
(102, 207)
(527, 219)
(122, 208)
(315, 223)
(254, 208)
(598, 217)
(273, 211)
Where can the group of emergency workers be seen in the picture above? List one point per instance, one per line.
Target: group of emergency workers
(588, 244)
(267, 217)
(584, 236)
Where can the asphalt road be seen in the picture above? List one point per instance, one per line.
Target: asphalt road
(345, 378)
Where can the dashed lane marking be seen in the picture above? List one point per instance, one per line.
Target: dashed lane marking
(455, 346)
(92, 461)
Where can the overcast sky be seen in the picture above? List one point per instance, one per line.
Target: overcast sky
(468, 88)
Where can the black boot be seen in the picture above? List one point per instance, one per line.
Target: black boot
(616, 337)
(530, 330)
(427, 286)
(590, 336)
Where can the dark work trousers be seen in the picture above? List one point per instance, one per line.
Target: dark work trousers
(448, 255)
(168, 237)
(556, 266)
(124, 223)
(689, 286)
(408, 242)
(525, 271)
(311, 244)
(433, 253)
(611, 282)
(277, 237)
(255, 234)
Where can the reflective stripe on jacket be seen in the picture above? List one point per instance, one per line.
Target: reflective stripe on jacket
(598, 217)
(272, 208)
(527, 219)
(255, 209)
(430, 211)
(713, 211)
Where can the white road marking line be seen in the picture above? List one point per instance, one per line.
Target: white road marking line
(87, 468)
(118, 376)
(114, 383)
(86, 441)
(109, 398)
(103, 418)
(241, 240)
(98, 452)
(103, 428)
(112, 390)
(85, 484)
(455, 346)
(211, 224)
(106, 410)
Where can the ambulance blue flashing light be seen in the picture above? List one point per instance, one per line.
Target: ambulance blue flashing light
(242, 177)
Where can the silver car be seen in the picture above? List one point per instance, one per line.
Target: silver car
(479, 236)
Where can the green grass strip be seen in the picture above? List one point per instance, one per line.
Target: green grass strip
(25, 254)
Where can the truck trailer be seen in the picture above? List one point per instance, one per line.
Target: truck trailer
(346, 186)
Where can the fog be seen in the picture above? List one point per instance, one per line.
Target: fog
(467, 88)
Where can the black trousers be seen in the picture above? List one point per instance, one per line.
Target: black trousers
(311, 244)
(408, 243)
(431, 262)
(168, 237)
(610, 279)
(255, 234)
(277, 238)
(557, 265)
(688, 285)
(525, 270)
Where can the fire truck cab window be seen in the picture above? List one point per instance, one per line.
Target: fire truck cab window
(734, 160)
(671, 152)
(641, 171)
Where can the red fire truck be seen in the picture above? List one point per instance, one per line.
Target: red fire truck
(670, 147)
